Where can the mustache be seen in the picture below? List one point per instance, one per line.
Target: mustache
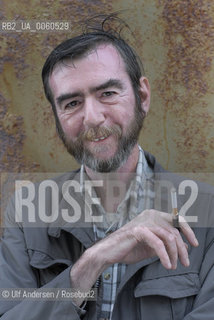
(97, 132)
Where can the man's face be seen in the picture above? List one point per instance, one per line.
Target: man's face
(96, 107)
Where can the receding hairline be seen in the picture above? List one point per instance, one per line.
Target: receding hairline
(79, 57)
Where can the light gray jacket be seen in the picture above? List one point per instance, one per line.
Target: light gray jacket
(37, 257)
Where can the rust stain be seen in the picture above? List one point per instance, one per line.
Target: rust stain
(189, 37)
(165, 138)
(12, 138)
(188, 28)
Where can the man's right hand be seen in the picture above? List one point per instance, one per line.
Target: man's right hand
(149, 234)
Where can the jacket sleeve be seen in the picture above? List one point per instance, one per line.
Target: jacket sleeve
(203, 307)
(16, 272)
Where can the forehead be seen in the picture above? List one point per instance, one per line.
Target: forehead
(100, 64)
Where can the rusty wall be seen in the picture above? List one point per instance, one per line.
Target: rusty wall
(175, 40)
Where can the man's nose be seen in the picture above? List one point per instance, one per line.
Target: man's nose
(93, 113)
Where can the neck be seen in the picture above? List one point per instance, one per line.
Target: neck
(121, 177)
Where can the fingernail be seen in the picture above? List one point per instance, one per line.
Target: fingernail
(196, 242)
(187, 262)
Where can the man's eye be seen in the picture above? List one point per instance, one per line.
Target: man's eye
(72, 104)
(108, 93)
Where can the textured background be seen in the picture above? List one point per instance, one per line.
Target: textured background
(175, 39)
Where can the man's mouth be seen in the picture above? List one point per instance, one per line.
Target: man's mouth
(100, 134)
(99, 139)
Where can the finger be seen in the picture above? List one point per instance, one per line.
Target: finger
(182, 248)
(188, 232)
(158, 246)
(170, 242)
(184, 227)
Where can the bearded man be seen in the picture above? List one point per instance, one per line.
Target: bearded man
(135, 258)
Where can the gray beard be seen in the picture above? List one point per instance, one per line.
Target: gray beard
(125, 145)
(109, 165)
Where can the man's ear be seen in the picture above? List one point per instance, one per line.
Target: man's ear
(144, 91)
